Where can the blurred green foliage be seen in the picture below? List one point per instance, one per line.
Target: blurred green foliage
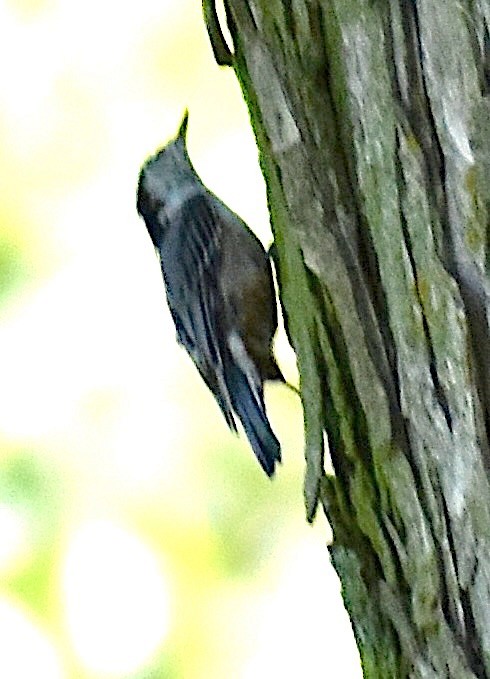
(13, 270)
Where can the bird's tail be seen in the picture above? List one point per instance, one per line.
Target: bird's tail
(250, 408)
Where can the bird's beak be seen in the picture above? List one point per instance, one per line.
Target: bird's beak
(183, 126)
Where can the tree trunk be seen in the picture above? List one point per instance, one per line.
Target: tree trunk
(372, 119)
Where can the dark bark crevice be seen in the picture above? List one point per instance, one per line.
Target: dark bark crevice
(439, 394)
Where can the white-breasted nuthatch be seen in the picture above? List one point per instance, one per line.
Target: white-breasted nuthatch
(219, 287)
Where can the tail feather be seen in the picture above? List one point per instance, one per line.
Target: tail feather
(250, 409)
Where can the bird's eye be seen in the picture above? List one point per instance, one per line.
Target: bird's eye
(161, 214)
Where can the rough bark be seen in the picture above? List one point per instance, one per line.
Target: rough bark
(372, 119)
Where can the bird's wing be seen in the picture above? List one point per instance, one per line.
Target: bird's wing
(190, 259)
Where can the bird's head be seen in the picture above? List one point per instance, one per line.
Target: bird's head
(163, 180)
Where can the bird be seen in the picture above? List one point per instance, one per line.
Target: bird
(219, 288)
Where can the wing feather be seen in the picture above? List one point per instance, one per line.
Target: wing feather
(190, 258)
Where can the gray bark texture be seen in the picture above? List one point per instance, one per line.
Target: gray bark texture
(372, 120)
